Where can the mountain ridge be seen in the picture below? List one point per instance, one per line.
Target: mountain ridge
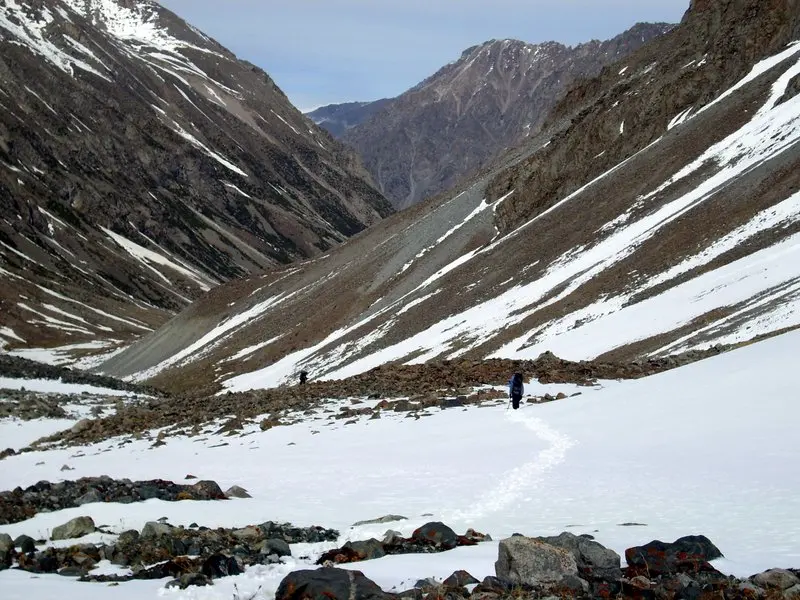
(458, 119)
(142, 164)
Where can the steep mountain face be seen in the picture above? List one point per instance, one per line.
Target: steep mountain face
(141, 164)
(492, 98)
(676, 228)
(338, 118)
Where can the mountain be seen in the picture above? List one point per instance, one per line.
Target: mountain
(492, 98)
(338, 118)
(657, 212)
(141, 164)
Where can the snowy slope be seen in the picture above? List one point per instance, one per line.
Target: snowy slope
(706, 251)
(703, 449)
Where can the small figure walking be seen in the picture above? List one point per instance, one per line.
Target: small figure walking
(516, 389)
(303, 377)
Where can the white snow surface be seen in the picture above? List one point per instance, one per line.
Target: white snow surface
(57, 386)
(705, 449)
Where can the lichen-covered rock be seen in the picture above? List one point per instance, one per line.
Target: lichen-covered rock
(530, 561)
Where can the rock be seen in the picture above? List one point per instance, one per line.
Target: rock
(367, 549)
(529, 561)
(237, 492)
(71, 572)
(429, 583)
(75, 528)
(453, 402)
(81, 426)
(89, 497)
(190, 579)
(25, 543)
(207, 490)
(6, 546)
(436, 533)
(793, 593)
(328, 583)
(476, 536)
(689, 554)
(459, 579)
(392, 537)
(781, 579)
(250, 533)
(267, 424)
(275, 546)
(593, 560)
(218, 565)
(154, 529)
(384, 519)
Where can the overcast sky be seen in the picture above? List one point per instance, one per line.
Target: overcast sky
(325, 51)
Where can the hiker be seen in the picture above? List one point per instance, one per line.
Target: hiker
(303, 377)
(516, 389)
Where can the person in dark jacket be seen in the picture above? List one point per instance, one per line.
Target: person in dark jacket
(516, 389)
(303, 377)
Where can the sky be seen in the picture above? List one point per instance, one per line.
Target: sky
(328, 51)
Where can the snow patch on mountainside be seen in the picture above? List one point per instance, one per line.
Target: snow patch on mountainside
(30, 29)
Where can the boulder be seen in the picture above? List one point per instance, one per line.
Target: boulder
(25, 543)
(75, 528)
(219, 565)
(530, 561)
(189, 579)
(781, 579)
(392, 537)
(6, 546)
(275, 546)
(689, 554)
(237, 492)
(367, 549)
(207, 490)
(89, 497)
(436, 533)
(154, 529)
(328, 583)
(459, 579)
(250, 533)
(594, 560)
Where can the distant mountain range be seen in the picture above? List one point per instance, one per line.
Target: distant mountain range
(450, 125)
(141, 164)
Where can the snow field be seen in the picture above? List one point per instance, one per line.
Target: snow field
(703, 449)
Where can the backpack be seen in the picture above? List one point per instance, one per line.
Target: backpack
(516, 385)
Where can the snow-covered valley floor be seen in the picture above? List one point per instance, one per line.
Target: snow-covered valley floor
(710, 448)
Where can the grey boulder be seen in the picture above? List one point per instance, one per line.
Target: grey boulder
(525, 560)
(75, 528)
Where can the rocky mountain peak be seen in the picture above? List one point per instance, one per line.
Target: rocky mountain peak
(457, 120)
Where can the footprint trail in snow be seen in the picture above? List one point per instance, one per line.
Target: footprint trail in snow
(514, 484)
